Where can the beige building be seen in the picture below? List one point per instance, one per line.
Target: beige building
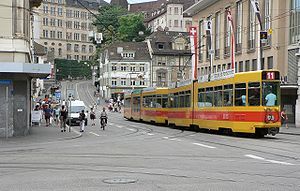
(169, 17)
(17, 67)
(64, 27)
(279, 19)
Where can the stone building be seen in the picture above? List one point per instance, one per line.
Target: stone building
(64, 27)
(124, 66)
(171, 57)
(17, 67)
(165, 14)
(279, 19)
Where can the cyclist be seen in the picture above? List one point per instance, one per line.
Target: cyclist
(103, 118)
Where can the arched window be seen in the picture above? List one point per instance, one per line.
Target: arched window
(59, 52)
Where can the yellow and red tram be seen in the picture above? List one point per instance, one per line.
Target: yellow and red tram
(155, 105)
(246, 102)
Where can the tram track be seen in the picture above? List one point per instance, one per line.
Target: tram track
(182, 134)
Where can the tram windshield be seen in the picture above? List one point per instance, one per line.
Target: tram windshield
(271, 92)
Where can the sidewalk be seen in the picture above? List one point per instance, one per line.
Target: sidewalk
(292, 130)
(42, 134)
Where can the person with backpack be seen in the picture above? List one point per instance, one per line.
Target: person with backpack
(63, 118)
(82, 120)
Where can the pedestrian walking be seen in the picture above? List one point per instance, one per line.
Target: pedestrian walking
(92, 116)
(47, 114)
(98, 101)
(63, 118)
(284, 118)
(82, 120)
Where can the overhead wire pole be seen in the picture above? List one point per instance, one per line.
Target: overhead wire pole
(255, 6)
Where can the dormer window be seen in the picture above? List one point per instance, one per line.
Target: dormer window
(128, 55)
(160, 46)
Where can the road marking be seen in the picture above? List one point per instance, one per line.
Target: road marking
(202, 145)
(94, 134)
(111, 123)
(77, 132)
(76, 89)
(175, 139)
(120, 126)
(268, 160)
(130, 129)
(150, 134)
(166, 137)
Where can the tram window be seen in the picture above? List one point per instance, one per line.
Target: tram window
(135, 104)
(181, 99)
(201, 97)
(153, 101)
(146, 101)
(218, 96)
(138, 108)
(187, 101)
(209, 97)
(171, 101)
(176, 100)
(271, 93)
(164, 101)
(127, 103)
(254, 94)
(240, 94)
(158, 102)
(228, 95)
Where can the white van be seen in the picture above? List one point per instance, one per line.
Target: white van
(74, 108)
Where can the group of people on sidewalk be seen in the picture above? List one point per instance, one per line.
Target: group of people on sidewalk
(53, 115)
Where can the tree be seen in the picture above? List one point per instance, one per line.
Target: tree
(132, 28)
(107, 22)
(35, 3)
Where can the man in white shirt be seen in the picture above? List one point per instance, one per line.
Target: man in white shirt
(270, 99)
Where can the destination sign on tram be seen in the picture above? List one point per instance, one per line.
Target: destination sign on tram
(270, 75)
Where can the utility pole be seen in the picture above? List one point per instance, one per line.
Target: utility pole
(297, 108)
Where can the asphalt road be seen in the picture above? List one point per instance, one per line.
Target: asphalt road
(140, 157)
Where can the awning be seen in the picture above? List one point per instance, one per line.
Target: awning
(32, 70)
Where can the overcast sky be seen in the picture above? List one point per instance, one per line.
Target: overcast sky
(134, 1)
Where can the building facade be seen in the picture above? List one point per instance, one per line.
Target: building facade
(64, 27)
(278, 51)
(171, 57)
(124, 66)
(169, 16)
(17, 68)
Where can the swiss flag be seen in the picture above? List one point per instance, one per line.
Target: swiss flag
(193, 31)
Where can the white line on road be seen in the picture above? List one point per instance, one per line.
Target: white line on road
(130, 129)
(120, 126)
(267, 160)
(175, 139)
(150, 134)
(166, 137)
(94, 134)
(202, 145)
